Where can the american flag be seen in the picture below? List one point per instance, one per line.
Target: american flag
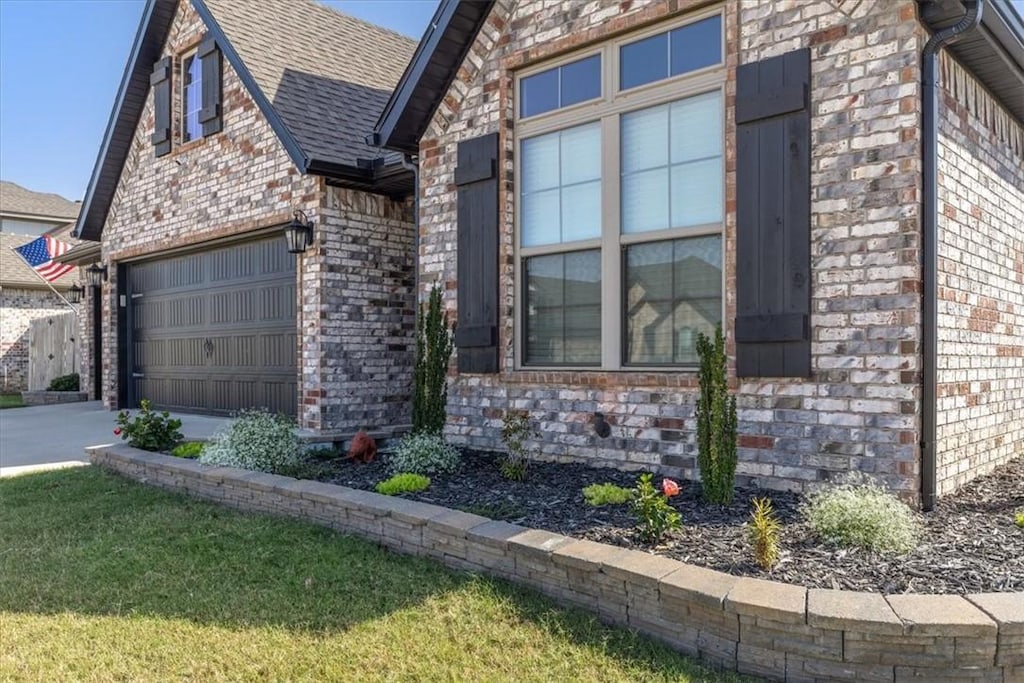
(39, 253)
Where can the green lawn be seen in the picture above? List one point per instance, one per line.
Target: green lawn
(103, 579)
(10, 401)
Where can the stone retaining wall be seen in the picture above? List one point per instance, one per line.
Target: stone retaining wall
(759, 627)
(45, 398)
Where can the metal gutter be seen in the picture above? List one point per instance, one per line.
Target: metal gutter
(929, 239)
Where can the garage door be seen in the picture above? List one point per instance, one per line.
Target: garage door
(215, 331)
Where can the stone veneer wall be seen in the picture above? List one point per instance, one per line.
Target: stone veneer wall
(981, 281)
(242, 180)
(18, 308)
(758, 627)
(859, 410)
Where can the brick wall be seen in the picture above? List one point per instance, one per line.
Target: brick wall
(981, 281)
(18, 308)
(859, 410)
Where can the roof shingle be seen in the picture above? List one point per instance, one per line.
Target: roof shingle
(16, 199)
(14, 272)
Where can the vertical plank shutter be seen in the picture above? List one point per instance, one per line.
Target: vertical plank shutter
(773, 217)
(210, 63)
(476, 177)
(160, 80)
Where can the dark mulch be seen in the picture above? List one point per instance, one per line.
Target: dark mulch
(970, 543)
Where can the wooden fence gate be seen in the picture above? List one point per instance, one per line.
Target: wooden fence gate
(52, 349)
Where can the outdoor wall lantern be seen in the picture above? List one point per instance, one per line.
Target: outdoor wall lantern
(299, 233)
(96, 274)
(75, 293)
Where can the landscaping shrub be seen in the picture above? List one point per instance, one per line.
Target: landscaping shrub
(255, 440)
(1019, 520)
(423, 453)
(149, 430)
(655, 517)
(764, 533)
(189, 450)
(716, 422)
(406, 482)
(65, 383)
(606, 494)
(864, 515)
(516, 428)
(434, 345)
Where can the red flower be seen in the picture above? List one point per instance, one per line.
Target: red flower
(117, 431)
(669, 487)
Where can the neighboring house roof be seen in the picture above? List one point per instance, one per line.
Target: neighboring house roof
(15, 199)
(994, 52)
(428, 76)
(17, 274)
(319, 77)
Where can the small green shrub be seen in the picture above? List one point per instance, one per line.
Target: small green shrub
(255, 440)
(149, 430)
(863, 515)
(406, 482)
(423, 453)
(65, 383)
(765, 531)
(516, 428)
(1018, 519)
(654, 516)
(716, 422)
(190, 450)
(606, 494)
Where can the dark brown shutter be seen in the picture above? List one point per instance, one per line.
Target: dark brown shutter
(160, 80)
(773, 217)
(476, 177)
(210, 113)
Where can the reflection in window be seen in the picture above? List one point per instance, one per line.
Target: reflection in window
(191, 98)
(672, 53)
(561, 86)
(563, 309)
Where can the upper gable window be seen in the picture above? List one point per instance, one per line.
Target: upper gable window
(561, 86)
(191, 97)
(672, 53)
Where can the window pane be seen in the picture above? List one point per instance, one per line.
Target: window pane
(643, 134)
(697, 45)
(697, 193)
(645, 201)
(191, 98)
(581, 81)
(581, 211)
(540, 219)
(581, 153)
(673, 292)
(539, 93)
(643, 61)
(696, 127)
(540, 163)
(563, 309)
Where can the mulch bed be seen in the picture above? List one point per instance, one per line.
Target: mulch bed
(970, 542)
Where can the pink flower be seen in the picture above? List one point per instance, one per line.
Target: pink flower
(670, 487)
(117, 431)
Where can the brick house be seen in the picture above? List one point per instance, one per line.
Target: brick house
(24, 216)
(231, 117)
(600, 182)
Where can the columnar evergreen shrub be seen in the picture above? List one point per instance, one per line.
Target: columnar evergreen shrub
(434, 345)
(256, 440)
(716, 422)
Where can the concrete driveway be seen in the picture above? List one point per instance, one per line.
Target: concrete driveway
(51, 436)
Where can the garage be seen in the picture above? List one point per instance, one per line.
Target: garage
(213, 331)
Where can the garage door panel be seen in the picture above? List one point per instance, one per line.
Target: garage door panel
(216, 331)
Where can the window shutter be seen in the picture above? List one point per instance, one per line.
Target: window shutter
(210, 114)
(160, 80)
(773, 217)
(476, 177)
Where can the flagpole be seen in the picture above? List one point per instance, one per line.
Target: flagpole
(49, 284)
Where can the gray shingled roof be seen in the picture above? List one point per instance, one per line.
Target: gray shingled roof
(14, 272)
(328, 75)
(16, 199)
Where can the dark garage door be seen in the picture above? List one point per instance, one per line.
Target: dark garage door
(214, 331)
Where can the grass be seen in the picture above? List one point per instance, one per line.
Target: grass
(11, 401)
(105, 579)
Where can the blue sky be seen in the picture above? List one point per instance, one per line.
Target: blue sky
(61, 63)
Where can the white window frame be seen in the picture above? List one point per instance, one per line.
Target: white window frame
(607, 109)
(183, 128)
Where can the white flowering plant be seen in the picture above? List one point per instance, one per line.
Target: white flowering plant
(255, 440)
(423, 453)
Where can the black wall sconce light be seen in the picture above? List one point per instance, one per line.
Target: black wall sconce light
(601, 426)
(299, 233)
(95, 274)
(75, 293)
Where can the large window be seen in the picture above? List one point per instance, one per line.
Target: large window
(620, 201)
